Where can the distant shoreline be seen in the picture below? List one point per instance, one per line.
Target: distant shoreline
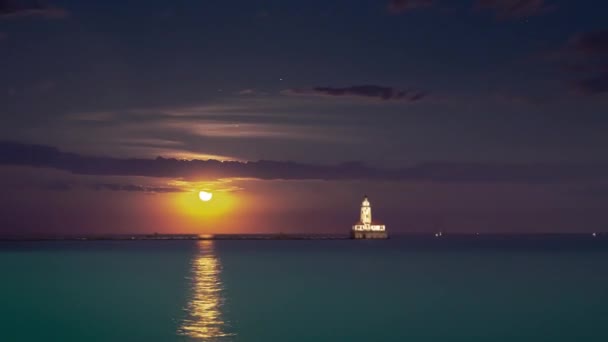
(178, 237)
(197, 237)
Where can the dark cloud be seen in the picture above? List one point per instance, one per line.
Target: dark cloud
(504, 9)
(57, 185)
(591, 43)
(64, 185)
(401, 6)
(14, 8)
(578, 67)
(134, 188)
(368, 91)
(594, 85)
(587, 54)
(514, 8)
(248, 91)
(44, 156)
(599, 191)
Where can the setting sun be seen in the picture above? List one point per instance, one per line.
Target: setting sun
(205, 196)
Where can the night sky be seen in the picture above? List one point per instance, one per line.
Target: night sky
(469, 116)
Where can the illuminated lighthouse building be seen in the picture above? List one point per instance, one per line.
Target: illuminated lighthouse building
(366, 228)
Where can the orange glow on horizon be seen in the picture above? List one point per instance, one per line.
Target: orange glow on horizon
(189, 207)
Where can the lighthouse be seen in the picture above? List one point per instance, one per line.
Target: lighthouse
(366, 228)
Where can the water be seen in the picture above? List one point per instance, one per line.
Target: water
(407, 289)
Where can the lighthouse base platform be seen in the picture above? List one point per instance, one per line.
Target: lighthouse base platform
(368, 235)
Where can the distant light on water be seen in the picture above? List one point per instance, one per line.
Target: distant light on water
(205, 316)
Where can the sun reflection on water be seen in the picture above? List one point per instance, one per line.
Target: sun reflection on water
(205, 319)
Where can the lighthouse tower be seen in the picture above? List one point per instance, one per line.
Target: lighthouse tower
(366, 228)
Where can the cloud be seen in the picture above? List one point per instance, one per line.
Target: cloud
(504, 9)
(236, 131)
(366, 91)
(594, 85)
(18, 154)
(514, 8)
(31, 8)
(590, 43)
(206, 122)
(134, 188)
(247, 92)
(57, 185)
(65, 185)
(599, 191)
(587, 54)
(401, 6)
(45, 85)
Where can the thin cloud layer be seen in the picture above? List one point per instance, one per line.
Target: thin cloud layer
(591, 43)
(594, 85)
(11, 8)
(514, 8)
(59, 185)
(18, 154)
(134, 188)
(401, 6)
(587, 55)
(504, 9)
(366, 91)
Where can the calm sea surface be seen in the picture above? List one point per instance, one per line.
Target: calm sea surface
(403, 289)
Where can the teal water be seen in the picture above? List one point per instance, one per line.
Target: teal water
(407, 289)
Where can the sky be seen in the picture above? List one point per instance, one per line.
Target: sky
(472, 116)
